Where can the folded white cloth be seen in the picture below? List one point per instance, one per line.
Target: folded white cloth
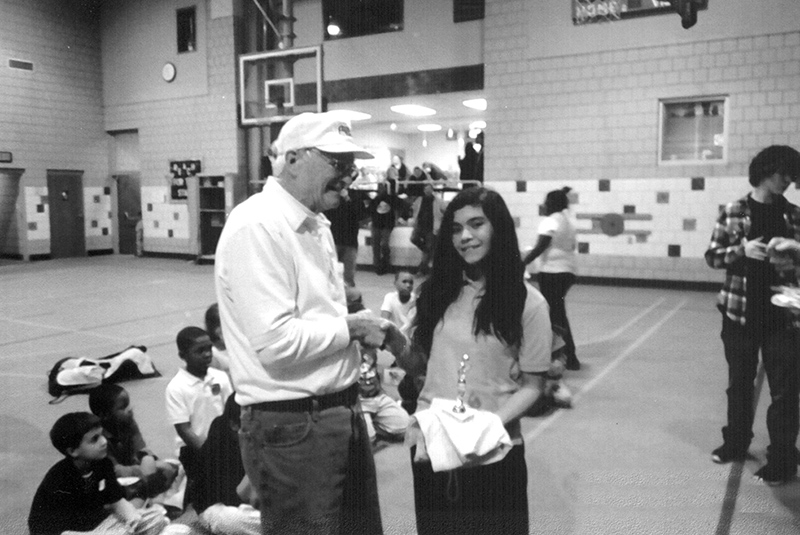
(458, 439)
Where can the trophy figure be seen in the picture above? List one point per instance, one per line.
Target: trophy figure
(462, 385)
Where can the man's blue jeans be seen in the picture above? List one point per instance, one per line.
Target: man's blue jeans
(313, 471)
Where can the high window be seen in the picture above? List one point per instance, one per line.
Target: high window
(693, 130)
(187, 29)
(352, 18)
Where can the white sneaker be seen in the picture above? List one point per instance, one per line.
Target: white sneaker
(562, 397)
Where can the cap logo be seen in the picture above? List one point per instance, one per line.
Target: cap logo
(345, 130)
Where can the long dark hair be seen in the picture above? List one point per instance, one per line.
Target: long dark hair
(499, 312)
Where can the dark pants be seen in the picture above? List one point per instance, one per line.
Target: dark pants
(780, 353)
(313, 471)
(380, 249)
(554, 288)
(479, 500)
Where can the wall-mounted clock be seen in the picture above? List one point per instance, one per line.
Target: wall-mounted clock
(168, 72)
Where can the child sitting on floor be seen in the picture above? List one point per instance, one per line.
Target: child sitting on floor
(195, 396)
(81, 491)
(126, 446)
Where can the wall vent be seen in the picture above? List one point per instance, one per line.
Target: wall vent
(21, 65)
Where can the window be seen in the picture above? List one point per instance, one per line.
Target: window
(352, 18)
(693, 130)
(187, 29)
(464, 10)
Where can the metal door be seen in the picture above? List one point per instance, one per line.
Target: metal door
(129, 202)
(67, 232)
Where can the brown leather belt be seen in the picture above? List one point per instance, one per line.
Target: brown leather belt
(345, 398)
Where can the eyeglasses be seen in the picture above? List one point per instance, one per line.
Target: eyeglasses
(344, 168)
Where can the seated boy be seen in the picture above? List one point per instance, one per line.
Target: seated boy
(81, 492)
(397, 305)
(195, 396)
(126, 446)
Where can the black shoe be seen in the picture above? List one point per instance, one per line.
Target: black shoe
(773, 475)
(573, 363)
(728, 454)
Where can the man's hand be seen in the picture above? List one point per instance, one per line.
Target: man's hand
(755, 248)
(368, 328)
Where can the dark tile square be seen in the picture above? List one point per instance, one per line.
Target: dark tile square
(96, 199)
(641, 237)
(698, 183)
(516, 221)
(662, 197)
(176, 216)
(583, 247)
(155, 223)
(573, 197)
(604, 184)
(368, 241)
(542, 210)
(32, 225)
(522, 186)
(94, 223)
(629, 209)
(674, 251)
(106, 191)
(690, 224)
(169, 233)
(105, 231)
(149, 207)
(40, 208)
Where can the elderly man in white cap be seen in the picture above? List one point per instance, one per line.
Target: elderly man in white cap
(292, 344)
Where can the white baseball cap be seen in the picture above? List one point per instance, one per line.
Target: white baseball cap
(328, 132)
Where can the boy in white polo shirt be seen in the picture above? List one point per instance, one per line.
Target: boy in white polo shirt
(195, 396)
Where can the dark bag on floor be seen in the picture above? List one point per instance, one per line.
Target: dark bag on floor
(74, 375)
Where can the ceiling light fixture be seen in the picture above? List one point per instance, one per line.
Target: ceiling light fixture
(480, 125)
(413, 110)
(429, 127)
(475, 103)
(393, 126)
(333, 28)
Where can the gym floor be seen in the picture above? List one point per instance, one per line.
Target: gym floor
(632, 456)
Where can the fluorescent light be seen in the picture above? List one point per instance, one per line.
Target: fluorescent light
(477, 125)
(429, 127)
(475, 103)
(393, 126)
(413, 110)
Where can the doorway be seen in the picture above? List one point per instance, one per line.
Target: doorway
(129, 211)
(65, 196)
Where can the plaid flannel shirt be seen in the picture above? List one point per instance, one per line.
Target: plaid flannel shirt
(726, 251)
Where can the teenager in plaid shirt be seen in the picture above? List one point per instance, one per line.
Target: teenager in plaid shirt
(750, 322)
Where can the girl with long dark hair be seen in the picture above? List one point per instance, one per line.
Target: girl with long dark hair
(477, 303)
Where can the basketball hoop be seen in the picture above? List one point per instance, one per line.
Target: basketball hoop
(590, 11)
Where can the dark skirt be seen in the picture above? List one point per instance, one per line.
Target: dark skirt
(481, 500)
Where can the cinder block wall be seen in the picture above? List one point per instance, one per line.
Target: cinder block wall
(192, 118)
(576, 106)
(52, 114)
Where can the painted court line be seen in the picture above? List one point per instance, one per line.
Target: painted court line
(624, 327)
(608, 369)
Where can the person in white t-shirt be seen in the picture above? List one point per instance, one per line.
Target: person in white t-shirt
(397, 305)
(555, 249)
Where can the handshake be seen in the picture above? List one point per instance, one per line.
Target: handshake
(375, 332)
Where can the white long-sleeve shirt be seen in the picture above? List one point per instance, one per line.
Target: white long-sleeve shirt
(281, 301)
